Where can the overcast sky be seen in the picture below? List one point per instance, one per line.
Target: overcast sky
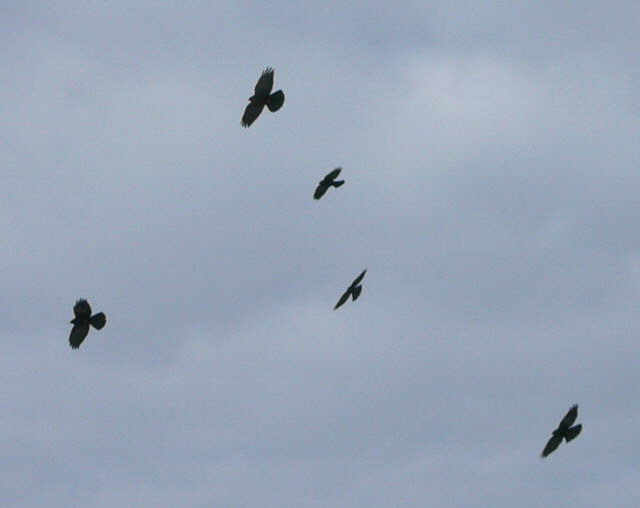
(490, 154)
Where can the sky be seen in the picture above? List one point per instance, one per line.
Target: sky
(490, 152)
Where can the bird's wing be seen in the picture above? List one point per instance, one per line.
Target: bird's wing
(275, 100)
(552, 444)
(78, 334)
(265, 83)
(334, 174)
(358, 279)
(569, 418)
(251, 112)
(573, 432)
(98, 321)
(320, 190)
(343, 298)
(82, 309)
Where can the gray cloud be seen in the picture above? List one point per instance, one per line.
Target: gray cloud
(490, 162)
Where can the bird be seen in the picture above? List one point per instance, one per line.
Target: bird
(564, 430)
(353, 290)
(262, 96)
(82, 311)
(326, 182)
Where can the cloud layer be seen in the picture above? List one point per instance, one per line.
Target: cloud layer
(490, 158)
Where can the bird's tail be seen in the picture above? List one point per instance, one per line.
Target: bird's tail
(337, 183)
(573, 432)
(275, 100)
(98, 320)
(356, 292)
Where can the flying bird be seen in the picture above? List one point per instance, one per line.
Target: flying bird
(564, 430)
(81, 322)
(326, 182)
(353, 290)
(262, 96)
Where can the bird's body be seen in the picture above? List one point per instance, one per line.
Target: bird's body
(262, 97)
(328, 181)
(352, 291)
(564, 431)
(82, 321)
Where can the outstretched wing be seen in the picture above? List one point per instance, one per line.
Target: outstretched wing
(82, 309)
(569, 418)
(573, 432)
(78, 334)
(320, 190)
(251, 112)
(275, 100)
(265, 83)
(333, 175)
(343, 298)
(552, 444)
(98, 321)
(358, 279)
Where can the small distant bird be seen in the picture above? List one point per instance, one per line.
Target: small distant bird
(564, 430)
(81, 322)
(262, 96)
(326, 182)
(353, 290)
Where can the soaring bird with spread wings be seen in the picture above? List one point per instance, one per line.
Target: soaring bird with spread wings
(262, 97)
(81, 322)
(328, 181)
(564, 431)
(352, 291)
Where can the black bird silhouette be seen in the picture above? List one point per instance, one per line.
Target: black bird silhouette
(326, 182)
(262, 96)
(81, 322)
(353, 290)
(564, 430)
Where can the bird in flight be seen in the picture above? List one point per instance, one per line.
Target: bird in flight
(262, 96)
(326, 182)
(81, 322)
(353, 290)
(564, 430)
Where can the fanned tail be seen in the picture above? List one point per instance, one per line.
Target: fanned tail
(98, 320)
(573, 432)
(275, 100)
